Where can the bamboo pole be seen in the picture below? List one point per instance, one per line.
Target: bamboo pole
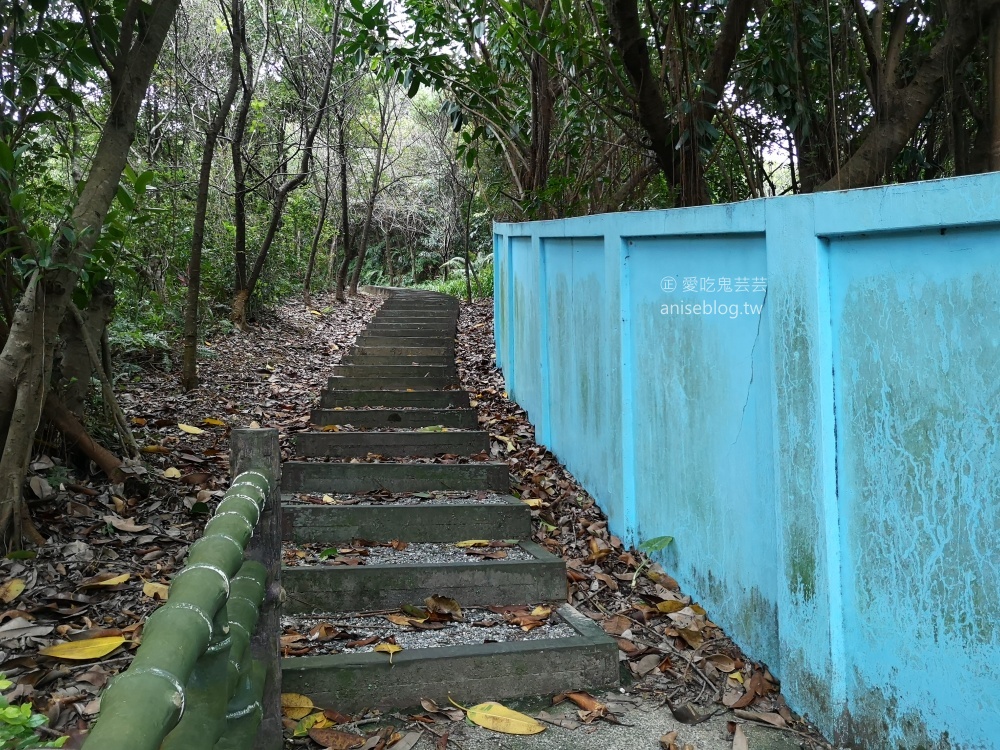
(146, 701)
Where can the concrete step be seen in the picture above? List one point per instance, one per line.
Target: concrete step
(445, 352)
(351, 444)
(304, 476)
(347, 383)
(370, 360)
(397, 418)
(378, 340)
(481, 672)
(426, 522)
(405, 370)
(398, 329)
(395, 399)
(418, 316)
(356, 588)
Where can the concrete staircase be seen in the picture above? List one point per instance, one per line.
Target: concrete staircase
(401, 376)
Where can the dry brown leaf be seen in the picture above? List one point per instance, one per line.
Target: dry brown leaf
(126, 524)
(334, 739)
(740, 740)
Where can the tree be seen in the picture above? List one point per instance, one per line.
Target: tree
(127, 57)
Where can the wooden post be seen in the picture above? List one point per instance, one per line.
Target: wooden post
(259, 450)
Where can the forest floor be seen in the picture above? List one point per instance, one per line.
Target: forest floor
(108, 555)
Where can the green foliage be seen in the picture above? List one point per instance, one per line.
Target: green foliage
(18, 724)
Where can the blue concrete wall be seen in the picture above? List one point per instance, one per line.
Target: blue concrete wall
(805, 393)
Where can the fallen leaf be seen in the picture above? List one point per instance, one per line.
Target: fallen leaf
(189, 429)
(407, 742)
(775, 720)
(172, 473)
(154, 449)
(388, 648)
(125, 524)
(669, 606)
(473, 543)
(10, 590)
(104, 579)
(155, 590)
(722, 662)
(334, 739)
(92, 648)
(442, 605)
(667, 741)
(740, 739)
(499, 718)
(214, 422)
(296, 706)
(532, 502)
(317, 720)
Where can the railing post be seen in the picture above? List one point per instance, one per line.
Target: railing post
(259, 450)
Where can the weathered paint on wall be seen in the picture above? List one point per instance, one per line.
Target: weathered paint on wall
(824, 452)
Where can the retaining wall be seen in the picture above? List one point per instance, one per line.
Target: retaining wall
(805, 393)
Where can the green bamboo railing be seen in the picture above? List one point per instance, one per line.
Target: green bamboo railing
(206, 675)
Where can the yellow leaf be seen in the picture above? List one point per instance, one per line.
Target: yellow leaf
(99, 581)
(669, 606)
(172, 473)
(154, 449)
(532, 502)
(296, 706)
(541, 611)
(93, 648)
(317, 313)
(473, 543)
(317, 720)
(388, 648)
(401, 620)
(328, 499)
(190, 430)
(213, 421)
(331, 428)
(499, 718)
(737, 676)
(156, 590)
(255, 425)
(11, 590)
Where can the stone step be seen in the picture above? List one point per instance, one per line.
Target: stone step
(399, 329)
(378, 340)
(395, 399)
(445, 352)
(476, 673)
(370, 360)
(405, 370)
(397, 418)
(424, 310)
(418, 315)
(422, 444)
(355, 588)
(304, 476)
(372, 383)
(427, 522)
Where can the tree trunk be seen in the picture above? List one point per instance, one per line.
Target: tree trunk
(189, 370)
(680, 166)
(345, 226)
(885, 140)
(320, 223)
(26, 359)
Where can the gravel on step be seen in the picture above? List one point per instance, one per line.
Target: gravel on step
(401, 554)
(418, 498)
(353, 628)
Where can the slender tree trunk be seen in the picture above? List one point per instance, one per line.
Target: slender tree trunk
(26, 359)
(320, 223)
(345, 226)
(189, 369)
